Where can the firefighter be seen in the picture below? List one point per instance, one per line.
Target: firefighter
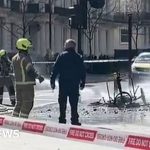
(70, 68)
(25, 76)
(6, 77)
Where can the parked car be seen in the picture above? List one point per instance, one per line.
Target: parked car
(141, 68)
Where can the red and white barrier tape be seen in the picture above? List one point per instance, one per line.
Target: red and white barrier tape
(85, 134)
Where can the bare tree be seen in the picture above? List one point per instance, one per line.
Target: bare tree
(27, 19)
(135, 7)
(22, 27)
(94, 19)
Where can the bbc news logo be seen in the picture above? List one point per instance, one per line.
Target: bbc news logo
(9, 133)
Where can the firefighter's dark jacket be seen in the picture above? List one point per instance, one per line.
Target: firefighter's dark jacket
(5, 66)
(25, 73)
(70, 68)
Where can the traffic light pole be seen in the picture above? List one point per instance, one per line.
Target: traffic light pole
(130, 41)
(50, 25)
(79, 34)
(78, 20)
(130, 50)
(82, 22)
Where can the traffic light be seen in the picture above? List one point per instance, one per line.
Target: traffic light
(97, 3)
(73, 22)
(79, 17)
(74, 18)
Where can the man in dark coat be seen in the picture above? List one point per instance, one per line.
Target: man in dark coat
(70, 68)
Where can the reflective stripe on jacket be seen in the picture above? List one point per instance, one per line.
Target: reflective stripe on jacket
(22, 63)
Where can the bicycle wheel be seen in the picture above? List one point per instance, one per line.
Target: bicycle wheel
(122, 99)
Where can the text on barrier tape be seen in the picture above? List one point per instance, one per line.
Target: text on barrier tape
(111, 138)
(82, 134)
(12, 123)
(138, 142)
(52, 129)
(33, 126)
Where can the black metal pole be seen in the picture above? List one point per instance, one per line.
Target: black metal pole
(79, 33)
(79, 40)
(82, 19)
(130, 42)
(50, 25)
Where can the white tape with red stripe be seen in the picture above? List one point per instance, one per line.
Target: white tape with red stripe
(85, 134)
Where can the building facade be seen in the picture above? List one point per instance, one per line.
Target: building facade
(30, 18)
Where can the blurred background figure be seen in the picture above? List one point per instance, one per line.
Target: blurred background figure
(6, 77)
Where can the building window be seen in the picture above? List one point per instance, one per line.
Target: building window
(33, 8)
(73, 2)
(124, 35)
(7, 3)
(1, 3)
(123, 5)
(42, 7)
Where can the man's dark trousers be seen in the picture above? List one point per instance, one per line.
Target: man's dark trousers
(70, 90)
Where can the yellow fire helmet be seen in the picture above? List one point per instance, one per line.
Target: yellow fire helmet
(23, 44)
(2, 52)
